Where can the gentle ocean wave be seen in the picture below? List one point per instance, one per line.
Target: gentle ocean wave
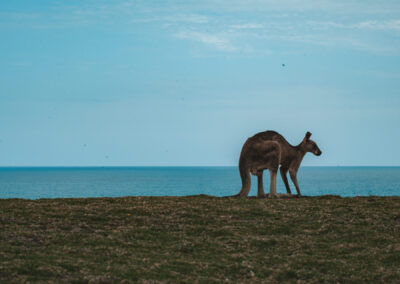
(36, 183)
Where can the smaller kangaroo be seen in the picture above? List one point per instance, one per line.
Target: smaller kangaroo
(268, 150)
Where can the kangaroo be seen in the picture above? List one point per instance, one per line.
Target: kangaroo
(258, 153)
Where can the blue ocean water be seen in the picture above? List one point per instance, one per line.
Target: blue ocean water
(34, 183)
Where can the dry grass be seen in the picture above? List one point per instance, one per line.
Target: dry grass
(200, 239)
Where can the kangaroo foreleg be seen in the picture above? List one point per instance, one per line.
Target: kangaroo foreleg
(285, 180)
(293, 177)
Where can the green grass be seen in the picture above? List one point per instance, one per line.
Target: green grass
(200, 239)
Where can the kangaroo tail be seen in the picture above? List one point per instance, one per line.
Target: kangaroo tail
(246, 181)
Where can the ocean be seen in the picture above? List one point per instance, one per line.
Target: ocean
(71, 182)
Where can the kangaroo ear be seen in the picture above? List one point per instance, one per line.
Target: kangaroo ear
(308, 135)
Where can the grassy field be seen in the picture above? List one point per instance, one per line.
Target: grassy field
(200, 239)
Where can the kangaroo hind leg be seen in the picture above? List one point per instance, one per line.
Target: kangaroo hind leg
(260, 185)
(272, 187)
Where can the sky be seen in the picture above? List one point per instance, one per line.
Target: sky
(185, 83)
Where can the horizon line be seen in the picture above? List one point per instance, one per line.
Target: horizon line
(194, 166)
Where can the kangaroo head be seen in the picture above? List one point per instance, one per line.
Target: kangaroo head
(310, 146)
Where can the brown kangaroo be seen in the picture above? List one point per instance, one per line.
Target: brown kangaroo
(268, 150)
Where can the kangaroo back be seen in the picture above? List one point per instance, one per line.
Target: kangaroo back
(272, 135)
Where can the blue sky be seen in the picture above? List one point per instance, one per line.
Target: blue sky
(158, 83)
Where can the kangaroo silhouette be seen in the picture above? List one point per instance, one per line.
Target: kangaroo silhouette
(269, 150)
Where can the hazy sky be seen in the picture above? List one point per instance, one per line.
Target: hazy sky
(124, 83)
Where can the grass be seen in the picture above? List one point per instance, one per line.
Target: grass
(200, 239)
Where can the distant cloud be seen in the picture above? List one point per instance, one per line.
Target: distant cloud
(219, 24)
(208, 39)
(373, 25)
(247, 26)
(301, 6)
(179, 18)
(379, 25)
